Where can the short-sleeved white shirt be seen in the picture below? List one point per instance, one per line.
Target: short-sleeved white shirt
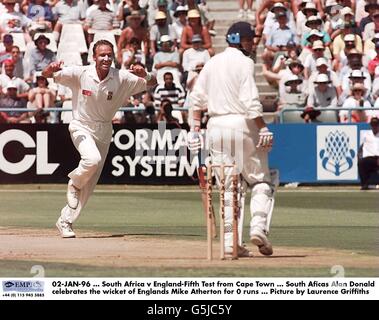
(370, 144)
(22, 86)
(94, 100)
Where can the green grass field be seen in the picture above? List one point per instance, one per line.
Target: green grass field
(334, 218)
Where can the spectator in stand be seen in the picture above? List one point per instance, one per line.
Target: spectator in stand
(268, 4)
(348, 18)
(163, 7)
(315, 23)
(375, 113)
(313, 35)
(41, 97)
(167, 60)
(181, 21)
(293, 96)
(207, 18)
(324, 94)
(356, 76)
(323, 67)
(355, 101)
(6, 50)
(334, 20)
(68, 11)
(271, 22)
(100, 19)
(193, 27)
(41, 15)
(368, 163)
(371, 8)
(40, 56)
(341, 60)
(245, 12)
(195, 55)
(292, 52)
(355, 66)
(277, 40)
(12, 101)
(159, 29)
(165, 113)
(293, 67)
(374, 62)
(17, 60)
(372, 27)
(338, 42)
(347, 3)
(133, 54)
(360, 12)
(309, 9)
(147, 101)
(169, 90)
(14, 21)
(151, 8)
(318, 50)
(9, 76)
(375, 85)
(125, 9)
(134, 30)
(369, 49)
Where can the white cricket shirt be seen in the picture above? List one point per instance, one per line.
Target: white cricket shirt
(94, 100)
(370, 144)
(226, 85)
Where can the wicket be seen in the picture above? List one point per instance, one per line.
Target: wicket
(210, 217)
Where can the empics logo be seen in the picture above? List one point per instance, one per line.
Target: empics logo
(23, 286)
(41, 145)
(337, 153)
(8, 284)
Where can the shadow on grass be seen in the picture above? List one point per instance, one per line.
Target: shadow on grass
(282, 257)
(137, 234)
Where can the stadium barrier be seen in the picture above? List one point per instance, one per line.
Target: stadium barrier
(328, 115)
(156, 154)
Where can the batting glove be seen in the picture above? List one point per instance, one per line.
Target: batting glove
(194, 140)
(266, 138)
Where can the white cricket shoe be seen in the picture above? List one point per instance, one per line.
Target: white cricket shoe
(259, 238)
(65, 228)
(242, 252)
(72, 195)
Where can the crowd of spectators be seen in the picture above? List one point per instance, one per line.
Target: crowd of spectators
(322, 54)
(172, 38)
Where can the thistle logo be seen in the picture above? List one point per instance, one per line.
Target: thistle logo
(336, 151)
(337, 157)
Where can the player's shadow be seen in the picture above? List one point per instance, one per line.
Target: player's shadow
(289, 256)
(103, 236)
(122, 235)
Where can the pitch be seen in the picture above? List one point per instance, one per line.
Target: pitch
(129, 231)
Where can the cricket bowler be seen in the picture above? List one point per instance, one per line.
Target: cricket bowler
(98, 91)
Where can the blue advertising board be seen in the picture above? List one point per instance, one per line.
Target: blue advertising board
(316, 153)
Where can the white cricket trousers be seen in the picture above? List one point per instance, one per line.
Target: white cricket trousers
(92, 141)
(233, 138)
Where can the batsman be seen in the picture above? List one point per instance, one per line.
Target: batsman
(236, 133)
